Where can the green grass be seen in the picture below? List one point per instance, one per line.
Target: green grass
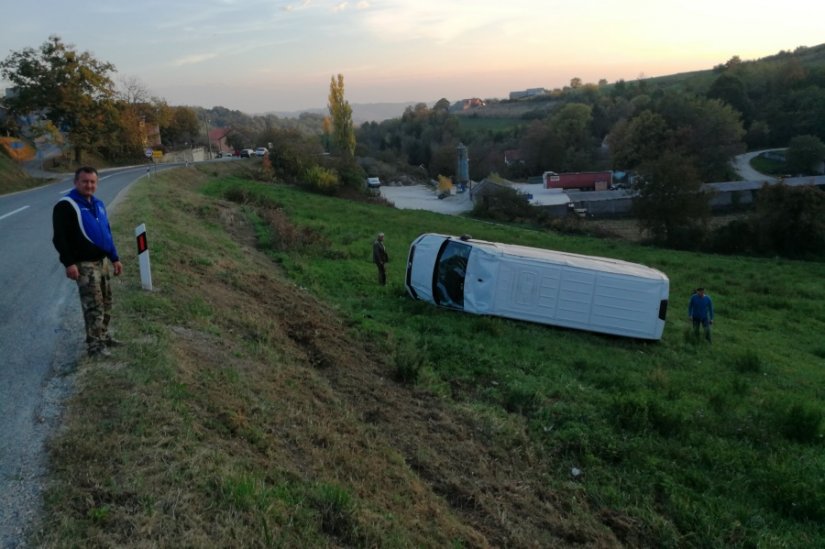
(214, 426)
(489, 123)
(768, 166)
(701, 445)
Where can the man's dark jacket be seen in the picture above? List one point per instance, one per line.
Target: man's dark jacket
(81, 230)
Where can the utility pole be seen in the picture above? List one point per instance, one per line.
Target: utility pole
(208, 142)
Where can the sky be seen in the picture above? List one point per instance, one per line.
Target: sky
(279, 55)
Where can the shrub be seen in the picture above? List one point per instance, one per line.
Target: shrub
(321, 180)
(748, 362)
(736, 237)
(521, 399)
(505, 204)
(801, 423)
(790, 221)
(410, 357)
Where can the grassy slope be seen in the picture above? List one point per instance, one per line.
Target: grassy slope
(12, 178)
(246, 411)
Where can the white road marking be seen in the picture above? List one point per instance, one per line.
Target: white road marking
(18, 210)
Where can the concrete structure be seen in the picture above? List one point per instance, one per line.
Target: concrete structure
(462, 172)
(529, 92)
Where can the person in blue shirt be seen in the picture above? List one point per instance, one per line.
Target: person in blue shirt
(700, 311)
(83, 238)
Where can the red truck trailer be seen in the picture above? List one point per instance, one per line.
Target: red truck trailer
(585, 181)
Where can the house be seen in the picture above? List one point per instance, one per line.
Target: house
(525, 94)
(467, 104)
(513, 156)
(219, 140)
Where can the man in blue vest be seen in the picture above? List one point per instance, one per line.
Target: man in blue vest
(83, 238)
(700, 311)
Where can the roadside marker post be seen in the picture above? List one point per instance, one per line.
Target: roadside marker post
(143, 257)
(149, 153)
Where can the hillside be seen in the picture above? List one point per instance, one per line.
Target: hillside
(270, 394)
(12, 176)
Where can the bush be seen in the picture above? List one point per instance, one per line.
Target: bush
(790, 221)
(736, 237)
(748, 362)
(321, 180)
(410, 357)
(505, 204)
(801, 423)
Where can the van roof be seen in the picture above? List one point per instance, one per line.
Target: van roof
(606, 264)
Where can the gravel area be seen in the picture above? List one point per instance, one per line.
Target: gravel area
(424, 197)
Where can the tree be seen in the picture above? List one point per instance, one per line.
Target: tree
(670, 204)
(790, 221)
(340, 111)
(639, 140)
(71, 89)
(731, 89)
(183, 127)
(805, 152)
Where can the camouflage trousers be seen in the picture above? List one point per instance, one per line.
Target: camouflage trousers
(95, 286)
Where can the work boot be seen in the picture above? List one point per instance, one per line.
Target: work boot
(101, 352)
(112, 342)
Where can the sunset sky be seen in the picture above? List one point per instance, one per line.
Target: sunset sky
(278, 55)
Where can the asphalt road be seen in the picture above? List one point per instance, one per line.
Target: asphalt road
(41, 337)
(742, 166)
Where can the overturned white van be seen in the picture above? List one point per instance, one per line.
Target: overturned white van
(545, 286)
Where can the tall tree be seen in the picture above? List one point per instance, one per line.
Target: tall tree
(343, 134)
(805, 154)
(71, 89)
(670, 204)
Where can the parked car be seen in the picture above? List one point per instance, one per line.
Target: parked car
(247, 153)
(537, 285)
(261, 151)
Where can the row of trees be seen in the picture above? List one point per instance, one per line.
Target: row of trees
(75, 93)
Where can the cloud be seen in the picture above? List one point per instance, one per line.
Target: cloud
(435, 20)
(193, 59)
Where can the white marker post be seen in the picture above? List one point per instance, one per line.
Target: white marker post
(143, 257)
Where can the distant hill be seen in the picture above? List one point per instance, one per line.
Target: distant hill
(362, 112)
(811, 57)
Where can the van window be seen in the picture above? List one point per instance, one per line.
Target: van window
(451, 268)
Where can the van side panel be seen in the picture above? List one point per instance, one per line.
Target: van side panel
(527, 290)
(623, 304)
(573, 297)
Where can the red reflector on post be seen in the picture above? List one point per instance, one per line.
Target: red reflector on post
(141, 243)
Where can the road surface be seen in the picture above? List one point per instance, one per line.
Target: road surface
(742, 165)
(41, 337)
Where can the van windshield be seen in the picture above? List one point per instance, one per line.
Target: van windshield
(451, 268)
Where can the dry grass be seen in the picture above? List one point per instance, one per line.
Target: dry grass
(244, 412)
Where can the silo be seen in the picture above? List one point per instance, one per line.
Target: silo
(463, 169)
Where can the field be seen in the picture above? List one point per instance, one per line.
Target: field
(485, 123)
(271, 394)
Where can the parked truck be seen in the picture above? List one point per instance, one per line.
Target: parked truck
(584, 181)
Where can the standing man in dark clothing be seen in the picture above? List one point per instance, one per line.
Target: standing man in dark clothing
(83, 238)
(700, 311)
(380, 257)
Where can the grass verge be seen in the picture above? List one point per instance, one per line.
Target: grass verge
(272, 395)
